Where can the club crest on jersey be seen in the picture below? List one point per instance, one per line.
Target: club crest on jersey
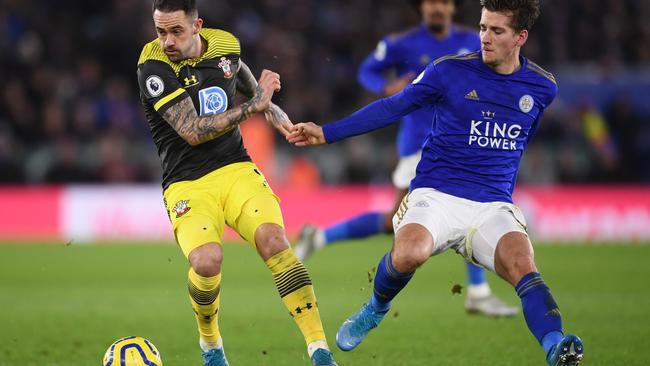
(155, 85)
(213, 100)
(224, 64)
(181, 208)
(526, 103)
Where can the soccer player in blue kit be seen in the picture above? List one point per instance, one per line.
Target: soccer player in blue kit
(407, 55)
(488, 105)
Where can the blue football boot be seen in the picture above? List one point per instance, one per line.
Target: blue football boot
(569, 352)
(356, 327)
(323, 357)
(214, 357)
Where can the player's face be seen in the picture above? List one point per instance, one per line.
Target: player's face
(437, 14)
(499, 41)
(176, 31)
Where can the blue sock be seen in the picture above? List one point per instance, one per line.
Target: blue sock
(388, 283)
(475, 274)
(358, 227)
(540, 310)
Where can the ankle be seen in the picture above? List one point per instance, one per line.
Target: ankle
(479, 291)
(315, 345)
(378, 305)
(206, 346)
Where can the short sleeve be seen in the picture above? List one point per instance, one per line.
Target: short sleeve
(159, 85)
(427, 88)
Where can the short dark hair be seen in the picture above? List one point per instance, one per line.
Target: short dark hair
(416, 4)
(524, 12)
(168, 6)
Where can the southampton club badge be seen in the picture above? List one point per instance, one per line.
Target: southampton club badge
(224, 64)
(181, 208)
(526, 103)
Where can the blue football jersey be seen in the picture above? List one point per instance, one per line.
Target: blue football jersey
(482, 123)
(411, 52)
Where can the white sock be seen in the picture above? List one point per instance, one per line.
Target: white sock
(479, 291)
(206, 346)
(320, 238)
(313, 346)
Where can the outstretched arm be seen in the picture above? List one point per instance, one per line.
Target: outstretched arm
(372, 117)
(246, 85)
(196, 130)
(426, 89)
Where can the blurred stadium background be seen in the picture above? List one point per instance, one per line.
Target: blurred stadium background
(77, 164)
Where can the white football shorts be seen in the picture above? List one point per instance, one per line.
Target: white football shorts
(405, 170)
(471, 228)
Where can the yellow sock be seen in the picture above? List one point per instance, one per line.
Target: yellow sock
(205, 296)
(297, 293)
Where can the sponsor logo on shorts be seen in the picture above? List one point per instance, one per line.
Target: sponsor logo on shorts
(422, 204)
(181, 208)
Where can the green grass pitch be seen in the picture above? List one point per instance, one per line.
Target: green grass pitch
(64, 305)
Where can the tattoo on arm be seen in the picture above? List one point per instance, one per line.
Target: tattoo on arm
(196, 130)
(276, 115)
(246, 82)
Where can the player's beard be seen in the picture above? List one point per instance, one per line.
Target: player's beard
(437, 24)
(436, 28)
(176, 56)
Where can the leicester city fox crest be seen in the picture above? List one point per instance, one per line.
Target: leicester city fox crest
(181, 208)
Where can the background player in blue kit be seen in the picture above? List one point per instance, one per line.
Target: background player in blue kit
(488, 105)
(406, 55)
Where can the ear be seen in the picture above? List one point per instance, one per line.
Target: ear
(522, 38)
(197, 25)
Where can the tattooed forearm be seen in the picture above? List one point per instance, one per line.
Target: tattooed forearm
(246, 82)
(197, 130)
(276, 115)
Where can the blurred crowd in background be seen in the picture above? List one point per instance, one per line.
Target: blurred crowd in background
(70, 109)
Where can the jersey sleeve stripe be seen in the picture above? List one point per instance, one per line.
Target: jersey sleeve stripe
(544, 74)
(168, 98)
(463, 57)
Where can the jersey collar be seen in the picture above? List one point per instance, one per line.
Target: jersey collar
(522, 60)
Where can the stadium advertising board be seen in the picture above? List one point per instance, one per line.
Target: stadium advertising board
(136, 213)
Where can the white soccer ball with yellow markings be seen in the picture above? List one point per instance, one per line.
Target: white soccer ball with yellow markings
(132, 351)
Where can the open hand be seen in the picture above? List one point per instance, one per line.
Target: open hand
(306, 134)
(397, 85)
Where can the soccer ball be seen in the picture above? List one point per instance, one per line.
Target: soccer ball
(132, 351)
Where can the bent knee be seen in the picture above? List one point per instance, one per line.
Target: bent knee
(517, 266)
(270, 239)
(206, 260)
(409, 261)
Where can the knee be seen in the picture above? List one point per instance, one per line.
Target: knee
(408, 258)
(270, 239)
(523, 263)
(519, 265)
(206, 260)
